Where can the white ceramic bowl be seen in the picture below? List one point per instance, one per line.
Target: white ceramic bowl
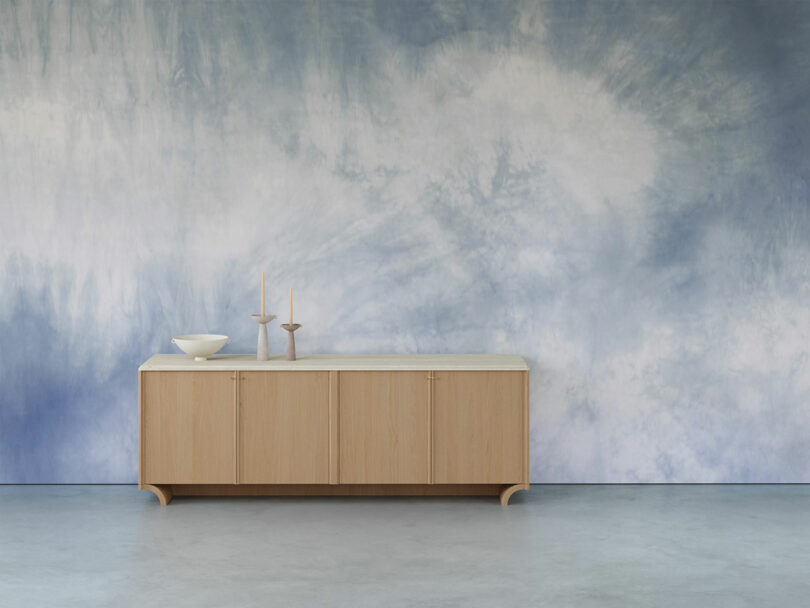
(200, 345)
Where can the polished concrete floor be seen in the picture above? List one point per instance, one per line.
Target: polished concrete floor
(694, 546)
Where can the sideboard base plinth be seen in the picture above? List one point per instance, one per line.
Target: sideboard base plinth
(165, 492)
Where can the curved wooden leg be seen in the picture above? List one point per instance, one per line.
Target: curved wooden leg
(164, 493)
(507, 491)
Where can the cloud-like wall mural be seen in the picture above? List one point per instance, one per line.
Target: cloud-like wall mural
(616, 191)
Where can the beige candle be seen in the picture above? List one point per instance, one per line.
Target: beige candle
(262, 294)
(291, 306)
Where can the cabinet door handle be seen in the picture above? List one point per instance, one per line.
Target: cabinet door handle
(431, 377)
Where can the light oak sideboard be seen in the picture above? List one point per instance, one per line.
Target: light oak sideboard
(334, 425)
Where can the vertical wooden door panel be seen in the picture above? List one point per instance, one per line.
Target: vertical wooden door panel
(188, 427)
(284, 427)
(478, 420)
(384, 427)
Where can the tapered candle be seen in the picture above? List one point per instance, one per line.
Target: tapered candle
(291, 306)
(262, 294)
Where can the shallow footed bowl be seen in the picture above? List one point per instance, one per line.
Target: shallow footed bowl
(200, 346)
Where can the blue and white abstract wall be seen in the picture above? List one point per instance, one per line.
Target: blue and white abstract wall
(617, 191)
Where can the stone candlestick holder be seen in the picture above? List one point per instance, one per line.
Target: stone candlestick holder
(262, 354)
(291, 339)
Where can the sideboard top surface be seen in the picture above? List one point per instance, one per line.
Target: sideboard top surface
(177, 362)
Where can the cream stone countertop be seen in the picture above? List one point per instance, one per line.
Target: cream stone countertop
(178, 362)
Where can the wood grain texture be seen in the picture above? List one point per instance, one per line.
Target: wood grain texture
(526, 429)
(334, 422)
(188, 428)
(236, 380)
(430, 376)
(140, 428)
(478, 427)
(334, 433)
(284, 427)
(384, 435)
(340, 490)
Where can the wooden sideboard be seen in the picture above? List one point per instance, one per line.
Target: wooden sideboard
(334, 425)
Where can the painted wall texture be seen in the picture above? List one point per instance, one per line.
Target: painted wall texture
(616, 191)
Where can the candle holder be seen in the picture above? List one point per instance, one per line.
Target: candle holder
(291, 339)
(262, 353)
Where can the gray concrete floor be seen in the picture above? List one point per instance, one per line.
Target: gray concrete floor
(712, 546)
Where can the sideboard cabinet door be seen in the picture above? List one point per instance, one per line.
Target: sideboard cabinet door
(478, 427)
(188, 427)
(384, 427)
(284, 427)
